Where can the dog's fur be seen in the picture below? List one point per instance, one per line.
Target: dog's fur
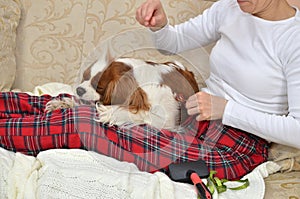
(134, 91)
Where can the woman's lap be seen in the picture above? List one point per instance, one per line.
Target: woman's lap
(26, 128)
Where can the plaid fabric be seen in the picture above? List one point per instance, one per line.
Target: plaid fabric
(25, 127)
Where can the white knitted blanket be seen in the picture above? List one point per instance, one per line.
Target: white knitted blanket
(74, 173)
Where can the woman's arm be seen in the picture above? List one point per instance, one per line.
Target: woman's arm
(284, 129)
(275, 128)
(194, 33)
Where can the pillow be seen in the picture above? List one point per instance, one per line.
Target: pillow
(287, 157)
(10, 14)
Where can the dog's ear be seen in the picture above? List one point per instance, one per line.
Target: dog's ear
(139, 101)
(125, 91)
(116, 94)
(106, 98)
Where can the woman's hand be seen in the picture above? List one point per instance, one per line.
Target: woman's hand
(151, 14)
(208, 107)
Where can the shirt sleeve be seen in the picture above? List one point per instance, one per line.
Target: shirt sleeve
(194, 33)
(283, 129)
(275, 128)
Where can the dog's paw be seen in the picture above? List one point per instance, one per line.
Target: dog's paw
(59, 104)
(112, 115)
(105, 114)
(102, 108)
(118, 115)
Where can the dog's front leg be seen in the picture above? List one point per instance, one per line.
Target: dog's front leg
(118, 115)
(59, 104)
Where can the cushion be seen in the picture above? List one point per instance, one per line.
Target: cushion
(9, 18)
(287, 157)
(283, 185)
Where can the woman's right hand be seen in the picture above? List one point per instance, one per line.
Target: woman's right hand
(151, 14)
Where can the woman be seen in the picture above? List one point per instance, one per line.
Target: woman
(255, 65)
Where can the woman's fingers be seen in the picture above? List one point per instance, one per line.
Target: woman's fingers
(192, 102)
(145, 13)
(193, 111)
(207, 107)
(151, 14)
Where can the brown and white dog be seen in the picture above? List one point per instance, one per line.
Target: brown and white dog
(131, 91)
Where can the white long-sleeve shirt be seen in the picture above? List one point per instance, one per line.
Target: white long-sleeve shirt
(255, 65)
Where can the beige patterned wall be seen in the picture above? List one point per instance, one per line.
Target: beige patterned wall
(9, 19)
(55, 37)
(49, 42)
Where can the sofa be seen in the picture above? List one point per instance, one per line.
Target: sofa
(46, 41)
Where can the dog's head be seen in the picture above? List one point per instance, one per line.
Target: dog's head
(114, 84)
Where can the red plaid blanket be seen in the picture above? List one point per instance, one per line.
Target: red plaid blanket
(25, 127)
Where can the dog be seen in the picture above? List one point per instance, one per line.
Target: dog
(129, 91)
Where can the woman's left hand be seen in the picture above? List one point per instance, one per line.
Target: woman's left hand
(208, 107)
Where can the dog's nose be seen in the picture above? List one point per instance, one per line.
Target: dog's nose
(80, 91)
